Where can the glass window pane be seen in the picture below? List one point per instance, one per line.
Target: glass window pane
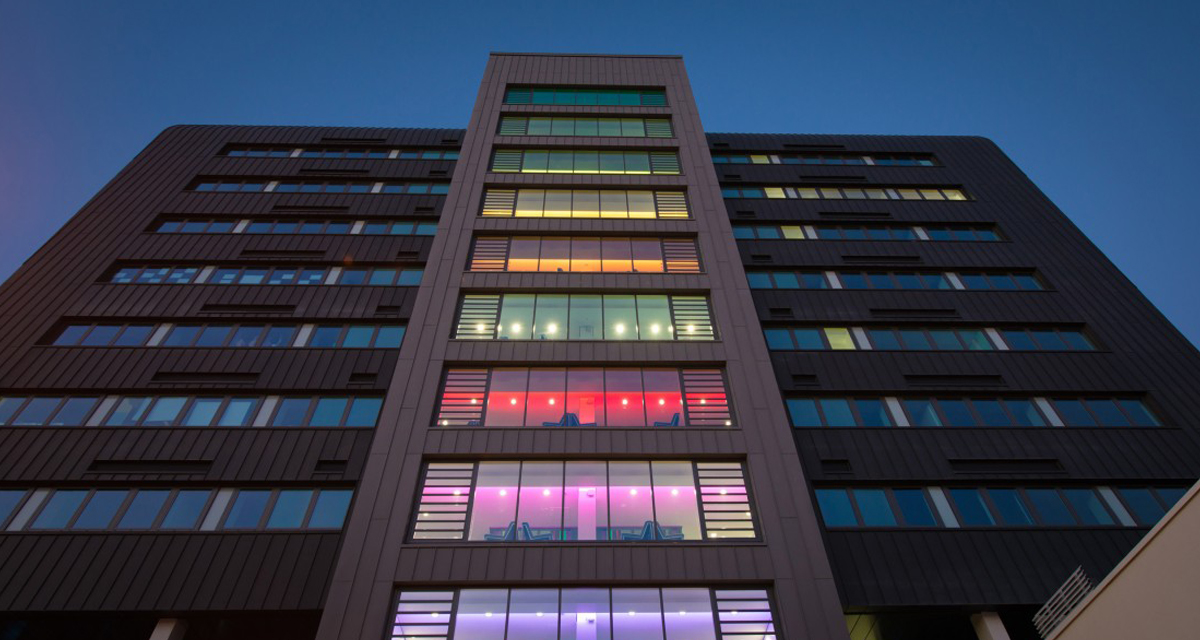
(630, 500)
(786, 280)
(530, 203)
(957, 413)
(506, 398)
(641, 204)
(976, 340)
(550, 317)
(945, 340)
(1170, 495)
(884, 339)
(1142, 504)
(292, 412)
(181, 336)
(972, 512)
(144, 509)
(1076, 341)
(358, 337)
(201, 413)
(37, 412)
(516, 316)
(1073, 414)
(613, 204)
(523, 254)
(73, 412)
(328, 412)
(558, 203)
(1139, 413)
(837, 412)
(290, 509)
(246, 336)
(654, 318)
(364, 412)
(585, 501)
(586, 317)
(129, 410)
(238, 412)
(389, 337)
(494, 504)
(101, 335)
(247, 509)
(100, 509)
(647, 255)
(330, 510)
(1019, 340)
(533, 614)
(545, 406)
(1049, 507)
(915, 340)
(555, 255)
(874, 507)
(664, 398)
(71, 335)
(610, 127)
(688, 615)
(585, 397)
(992, 413)
(921, 413)
(835, 508)
(165, 412)
(482, 614)
(1010, 506)
(1088, 506)
(539, 515)
(214, 336)
(839, 339)
(585, 614)
(1107, 413)
(803, 412)
(675, 501)
(59, 509)
(185, 510)
(914, 507)
(872, 413)
(620, 318)
(623, 392)
(585, 254)
(1049, 340)
(779, 339)
(1025, 412)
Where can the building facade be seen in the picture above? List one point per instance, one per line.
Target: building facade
(579, 371)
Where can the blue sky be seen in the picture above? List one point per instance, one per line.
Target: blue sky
(1096, 101)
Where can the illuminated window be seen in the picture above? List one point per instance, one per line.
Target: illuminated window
(585, 127)
(584, 397)
(585, 162)
(840, 193)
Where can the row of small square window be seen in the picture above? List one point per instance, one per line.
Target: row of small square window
(847, 193)
(926, 339)
(826, 159)
(189, 411)
(172, 509)
(243, 335)
(226, 185)
(320, 227)
(342, 152)
(969, 412)
(586, 97)
(911, 280)
(954, 507)
(857, 232)
(372, 276)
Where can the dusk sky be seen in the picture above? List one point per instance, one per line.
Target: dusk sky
(1097, 101)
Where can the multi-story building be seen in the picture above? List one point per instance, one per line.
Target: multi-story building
(578, 372)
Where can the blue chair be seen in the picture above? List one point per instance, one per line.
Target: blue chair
(663, 535)
(562, 422)
(509, 535)
(531, 537)
(647, 532)
(673, 423)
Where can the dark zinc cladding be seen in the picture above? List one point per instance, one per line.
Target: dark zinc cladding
(315, 227)
(597, 501)
(241, 335)
(624, 97)
(587, 613)
(970, 412)
(172, 509)
(189, 411)
(584, 397)
(549, 316)
(1032, 506)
